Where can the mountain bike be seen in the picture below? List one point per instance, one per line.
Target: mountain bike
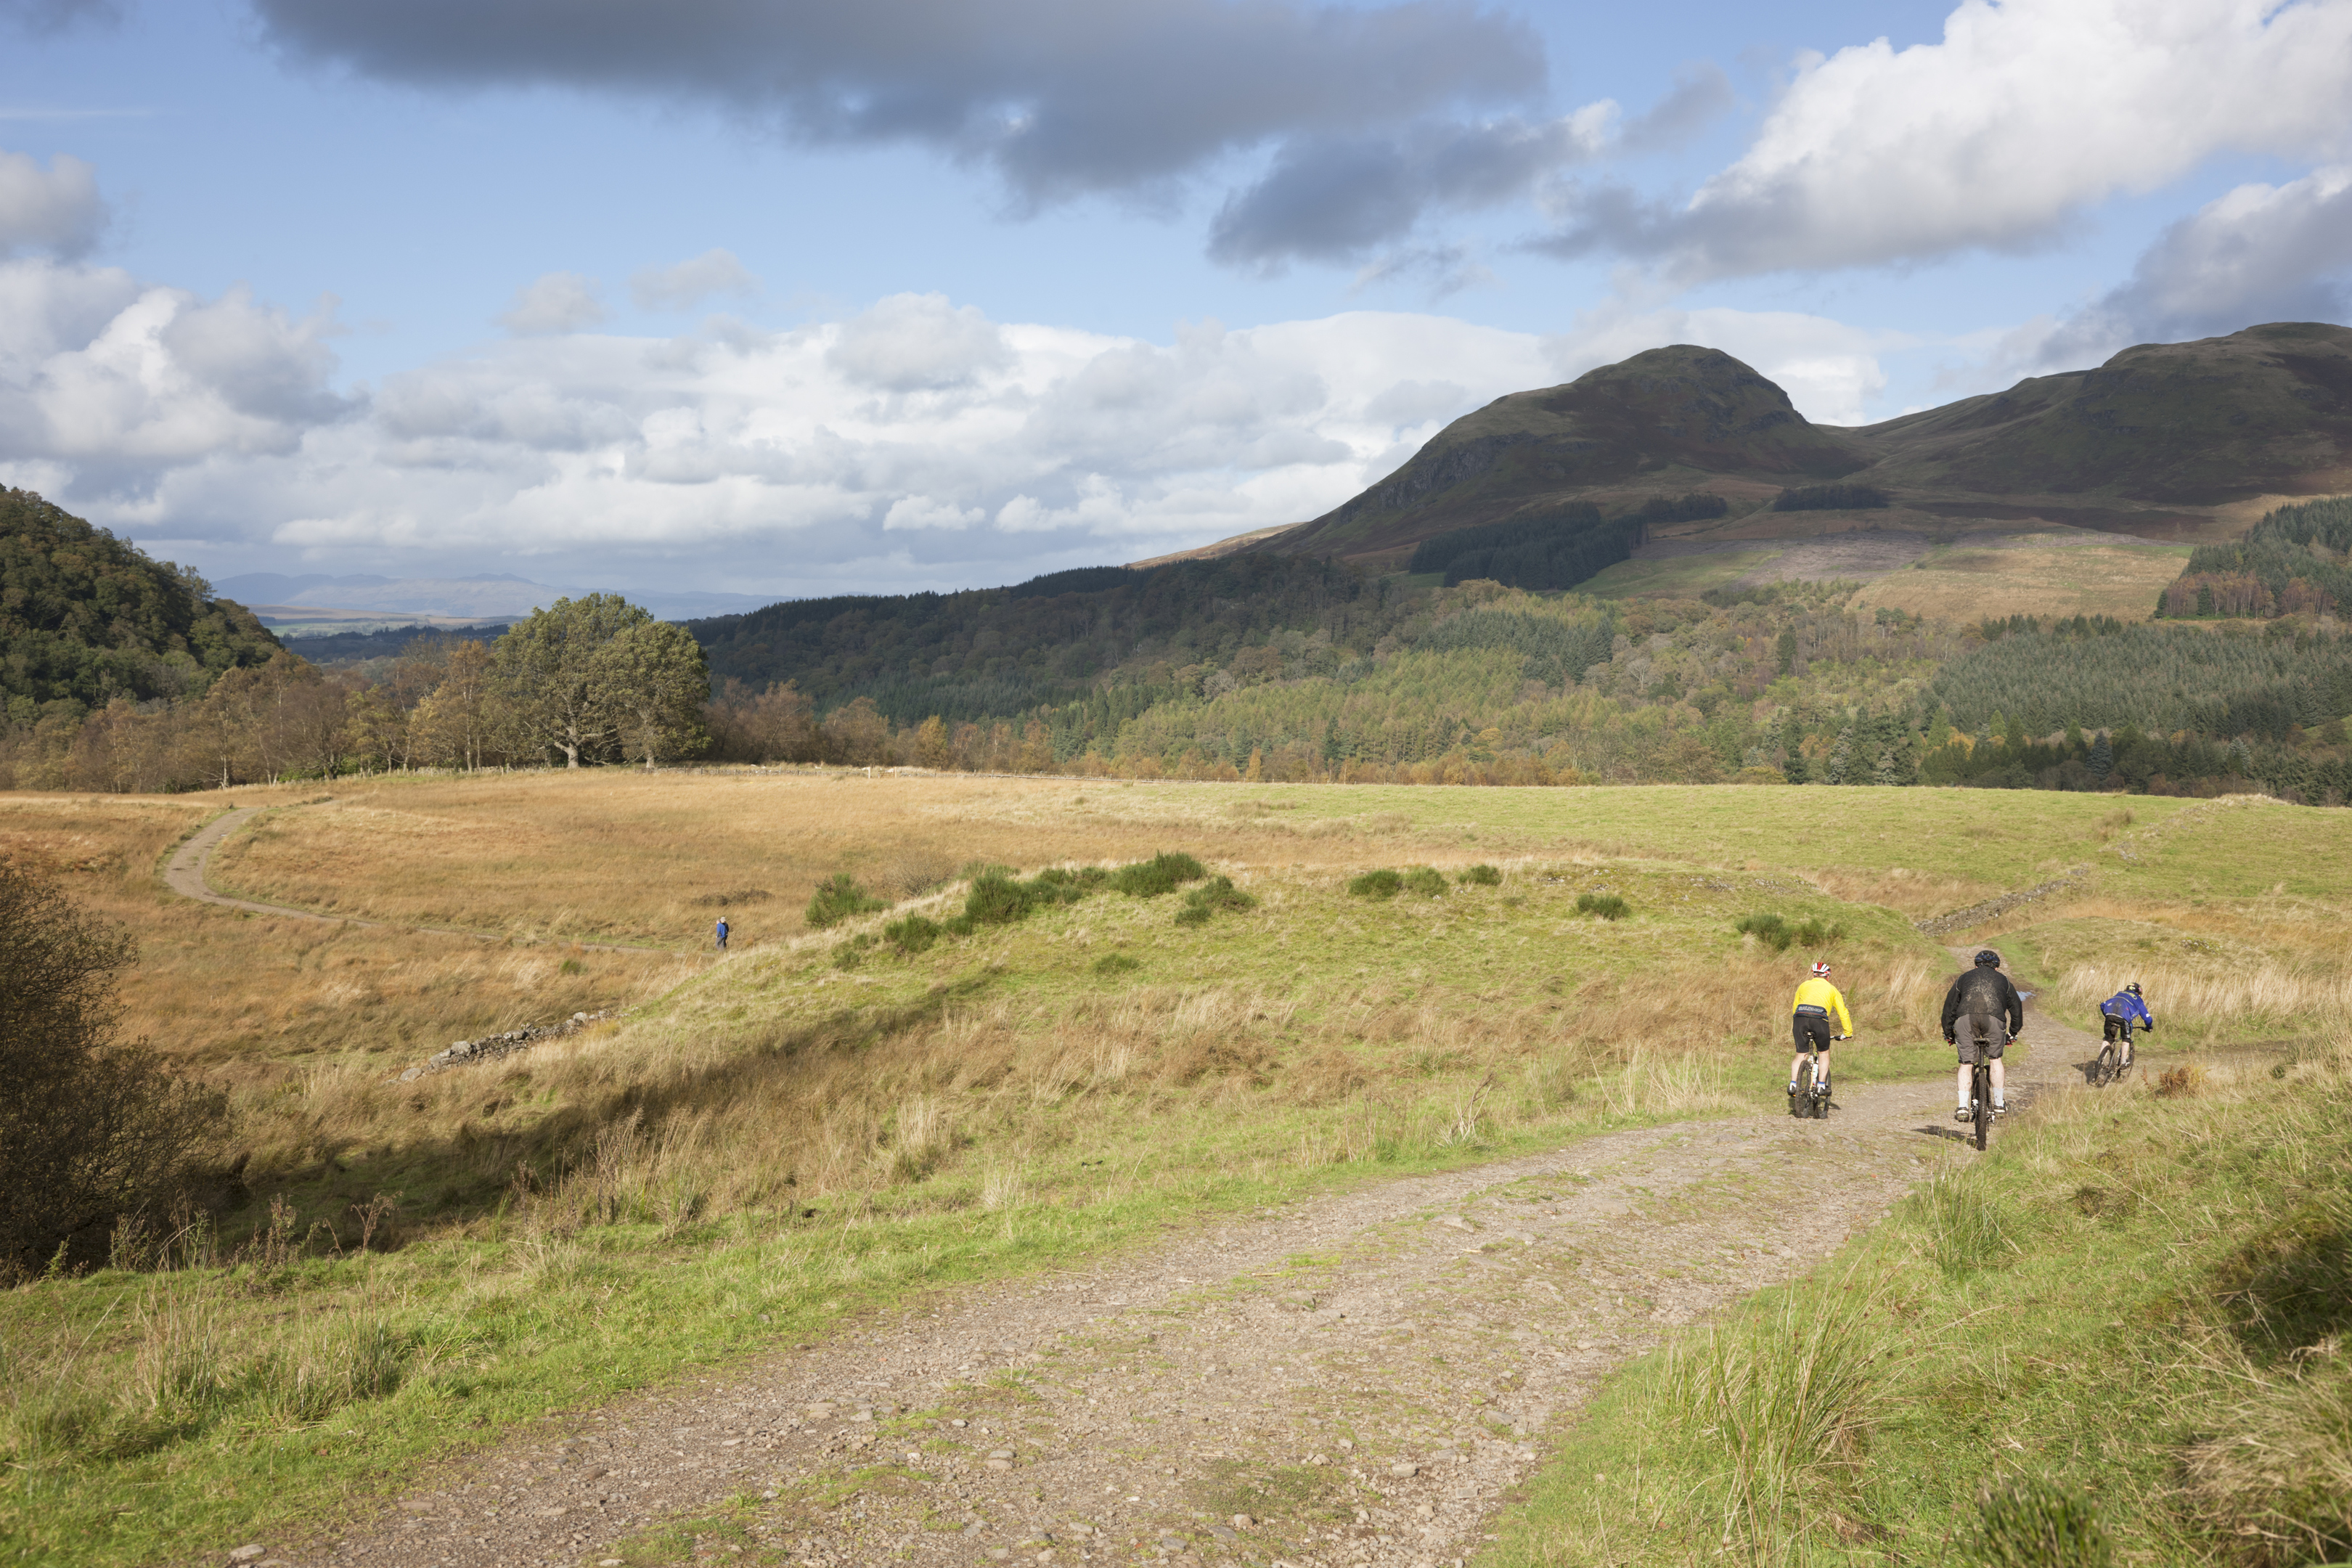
(1980, 1097)
(1812, 1096)
(2112, 1065)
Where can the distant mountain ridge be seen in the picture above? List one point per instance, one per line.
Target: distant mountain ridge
(493, 596)
(2157, 437)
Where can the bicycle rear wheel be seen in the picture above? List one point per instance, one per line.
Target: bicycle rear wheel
(1802, 1104)
(1981, 1087)
(2108, 1069)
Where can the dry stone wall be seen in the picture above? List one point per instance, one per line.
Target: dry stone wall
(491, 1047)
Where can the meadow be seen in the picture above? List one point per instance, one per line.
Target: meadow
(828, 1122)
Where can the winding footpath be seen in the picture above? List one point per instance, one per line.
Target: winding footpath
(1358, 1379)
(186, 874)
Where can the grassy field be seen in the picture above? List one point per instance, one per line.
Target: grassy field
(2115, 1339)
(812, 1126)
(1676, 577)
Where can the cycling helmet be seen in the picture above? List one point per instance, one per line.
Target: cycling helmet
(2133, 987)
(1820, 972)
(1987, 958)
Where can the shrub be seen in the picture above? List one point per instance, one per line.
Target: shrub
(1220, 894)
(1779, 935)
(1376, 885)
(914, 935)
(997, 900)
(849, 954)
(838, 900)
(90, 1127)
(1482, 876)
(2033, 1524)
(1116, 964)
(1606, 906)
(1428, 883)
(1160, 874)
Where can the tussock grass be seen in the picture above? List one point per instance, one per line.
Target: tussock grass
(2120, 1331)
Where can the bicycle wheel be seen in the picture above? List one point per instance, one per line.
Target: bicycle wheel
(1981, 1087)
(2108, 1069)
(1802, 1104)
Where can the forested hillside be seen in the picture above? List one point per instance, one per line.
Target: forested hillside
(86, 617)
(2292, 561)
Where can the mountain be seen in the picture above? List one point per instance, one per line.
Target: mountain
(85, 617)
(2160, 435)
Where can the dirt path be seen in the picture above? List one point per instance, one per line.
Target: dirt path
(1358, 1379)
(184, 874)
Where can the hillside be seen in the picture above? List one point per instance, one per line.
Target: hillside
(2148, 445)
(85, 617)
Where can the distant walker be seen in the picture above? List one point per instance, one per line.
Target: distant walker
(722, 933)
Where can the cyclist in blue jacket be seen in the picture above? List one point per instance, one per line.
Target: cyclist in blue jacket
(2119, 1012)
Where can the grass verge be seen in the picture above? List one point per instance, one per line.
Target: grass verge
(2117, 1336)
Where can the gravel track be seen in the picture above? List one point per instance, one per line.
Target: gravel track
(1361, 1378)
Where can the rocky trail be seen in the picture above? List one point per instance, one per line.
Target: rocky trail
(1358, 1379)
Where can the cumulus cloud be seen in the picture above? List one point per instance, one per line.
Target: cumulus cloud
(688, 283)
(917, 444)
(2260, 253)
(115, 383)
(1061, 98)
(56, 209)
(555, 303)
(2026, 113)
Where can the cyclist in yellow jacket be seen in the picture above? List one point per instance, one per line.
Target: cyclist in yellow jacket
(1818, 1003)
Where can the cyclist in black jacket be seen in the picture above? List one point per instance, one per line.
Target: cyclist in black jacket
(1983, 1013)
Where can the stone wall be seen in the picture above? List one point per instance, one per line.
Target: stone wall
(491, 1047)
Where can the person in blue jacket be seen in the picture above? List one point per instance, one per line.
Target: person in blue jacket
(2119, 1012)
(722, 933)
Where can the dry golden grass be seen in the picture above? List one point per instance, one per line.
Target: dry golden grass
(237, 996)
(1966, 585)
(628, 858)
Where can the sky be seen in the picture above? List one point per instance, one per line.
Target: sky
(789, 298)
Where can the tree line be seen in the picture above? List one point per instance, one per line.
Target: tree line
(589, 680)
(2293, 562)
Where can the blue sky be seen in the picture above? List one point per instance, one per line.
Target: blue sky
(778, 298)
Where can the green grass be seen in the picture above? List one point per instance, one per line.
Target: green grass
(1679, 577)
(2131, 1303)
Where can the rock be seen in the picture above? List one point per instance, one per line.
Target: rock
(1222, 1533)
(1455, 1220)
(411, 1076)
(414, 1505)
(1243, 1521)
(1000, 1464)
(578, 1017)
(861, 1416)
(1404, 1471)
(1000, 1453)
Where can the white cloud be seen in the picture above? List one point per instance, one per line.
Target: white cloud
(2025, 114)
(918, 444)
(925, 511)
(688, 283)
(58, 209)
(555, 303)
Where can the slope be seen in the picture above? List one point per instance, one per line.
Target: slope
(85, 617)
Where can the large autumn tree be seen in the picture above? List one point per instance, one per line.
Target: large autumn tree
(598, 678)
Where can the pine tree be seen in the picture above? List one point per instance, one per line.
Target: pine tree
(1841, 758)
(2103, 757)
(1796, 769)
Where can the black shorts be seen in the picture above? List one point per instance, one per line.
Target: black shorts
(2117, 1028)
(1812, 1034)
(1990, 1038)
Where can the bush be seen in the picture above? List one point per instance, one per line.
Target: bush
(1428, 883)
(1220, 894)
(997, 900)
(1482, 876)
(1779, 935)
(1606, 906)
(1160, 874)
(849, 954)
(1376, 885)
(838, 900)
(2033, 1524)
(1116, 964)
(90, 1127)
(914, 935)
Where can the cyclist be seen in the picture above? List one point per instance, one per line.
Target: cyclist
(1983, 1013)
(2119, 1012)
(1817, 1002)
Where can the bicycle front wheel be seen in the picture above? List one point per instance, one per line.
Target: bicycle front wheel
(2108, 1069)
(1980, 1085)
